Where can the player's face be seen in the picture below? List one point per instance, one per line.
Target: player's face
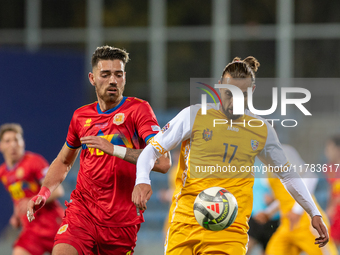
(12, 146)
(108, 78)
(332, 152)
(227, 96)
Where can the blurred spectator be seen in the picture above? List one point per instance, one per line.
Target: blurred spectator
(22, 174)
(332, 152)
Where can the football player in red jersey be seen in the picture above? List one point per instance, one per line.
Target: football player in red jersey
(110, 134)
(21, 174)
(332, 152)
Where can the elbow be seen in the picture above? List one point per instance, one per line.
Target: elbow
(164, 168)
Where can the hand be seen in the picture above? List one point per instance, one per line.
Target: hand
(320, 226)
(261, 217)
(36, 203)
(15, 221)
(294, 218)
(141, 194)
(99, 143)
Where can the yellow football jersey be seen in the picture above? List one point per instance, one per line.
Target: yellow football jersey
(217, 152)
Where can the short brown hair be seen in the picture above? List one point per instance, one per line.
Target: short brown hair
(11, 127)
(335, 139)
(109, 53)
(245, 68)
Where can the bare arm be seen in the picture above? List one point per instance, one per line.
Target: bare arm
(15, 219)
(55, 175)
(57, 193)
(59, 168)
(162, 164)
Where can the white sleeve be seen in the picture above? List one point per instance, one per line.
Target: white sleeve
(298, 190)
(296, 160)
(145, 163)
(172, 134)
(273, 155)
(311, 185)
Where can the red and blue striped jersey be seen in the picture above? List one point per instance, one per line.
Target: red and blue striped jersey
(105, 183)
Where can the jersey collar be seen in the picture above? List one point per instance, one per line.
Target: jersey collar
(16, 164)
(111, 110)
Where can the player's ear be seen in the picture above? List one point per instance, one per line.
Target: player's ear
(254, 87)
(220, 82)
(91, 78)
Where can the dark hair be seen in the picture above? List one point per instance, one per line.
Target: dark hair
(242, 68)
(335, 139)
(11, 127)
(109, 53)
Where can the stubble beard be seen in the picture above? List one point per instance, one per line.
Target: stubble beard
(230, 115)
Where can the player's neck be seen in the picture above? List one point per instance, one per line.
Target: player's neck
(10, 163)
(105, 106)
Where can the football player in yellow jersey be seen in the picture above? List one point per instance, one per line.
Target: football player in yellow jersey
(294, 234)
(228, 147)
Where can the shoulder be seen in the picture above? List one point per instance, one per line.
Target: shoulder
(194, 109)
(290, 151)
(137, 101)
(251, 115)
(138, 107)
(2, 168)
(85, 108)
(34, 158)
(83, 113)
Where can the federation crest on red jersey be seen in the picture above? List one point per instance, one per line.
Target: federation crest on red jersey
(119, 118)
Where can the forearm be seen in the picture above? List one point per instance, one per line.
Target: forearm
(311, 185)
(57, 193)
(298, 190)
(145, 163)
(59, 168)
(128, 154)
(56, 174)
(161, 165)
(132, 155)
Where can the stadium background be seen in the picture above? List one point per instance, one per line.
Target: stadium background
(45, 50)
